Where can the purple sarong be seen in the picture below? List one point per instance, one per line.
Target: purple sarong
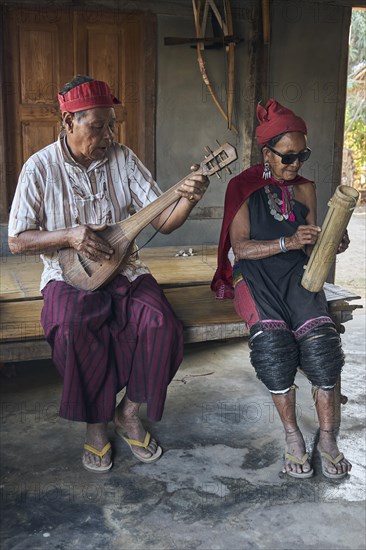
(123, 335)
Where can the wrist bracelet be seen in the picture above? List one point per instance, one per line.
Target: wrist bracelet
(281, 242)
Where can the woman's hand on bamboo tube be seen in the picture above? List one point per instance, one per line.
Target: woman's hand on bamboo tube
(343, 245)
(305, 235)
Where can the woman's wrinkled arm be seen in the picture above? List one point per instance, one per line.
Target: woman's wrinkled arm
(249, 249)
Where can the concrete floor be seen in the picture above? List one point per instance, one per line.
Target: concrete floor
(218, 484)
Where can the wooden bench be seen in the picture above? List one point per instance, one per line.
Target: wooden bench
(185, 280)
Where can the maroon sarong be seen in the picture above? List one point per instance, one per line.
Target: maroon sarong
(123, 335)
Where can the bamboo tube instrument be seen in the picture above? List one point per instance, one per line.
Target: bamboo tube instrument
(341, 207)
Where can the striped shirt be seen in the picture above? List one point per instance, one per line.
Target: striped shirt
(55, 192)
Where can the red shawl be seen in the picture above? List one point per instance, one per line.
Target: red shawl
(238, 190)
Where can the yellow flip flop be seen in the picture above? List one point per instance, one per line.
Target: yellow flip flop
(94, 468)
(326, 456)
(144, 444)
(295, 460)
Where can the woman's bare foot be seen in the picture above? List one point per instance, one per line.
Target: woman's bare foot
(126, 419)
(328, 447)
(296, 462)
(96, 437)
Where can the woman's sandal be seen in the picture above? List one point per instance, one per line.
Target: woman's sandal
(326, 456)
(93, 467)
(144, 444)
(301, 461)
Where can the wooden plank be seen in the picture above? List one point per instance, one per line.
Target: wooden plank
(335, 293)
(21, 275)
(170, 270)
(20, 320)
(25, 350)
(207, 333)
(204, 318)
(205, 251)
(195, 306)
(14, 352)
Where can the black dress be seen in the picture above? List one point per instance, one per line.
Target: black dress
(274, 282)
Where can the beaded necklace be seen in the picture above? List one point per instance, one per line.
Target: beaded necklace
(281, 208)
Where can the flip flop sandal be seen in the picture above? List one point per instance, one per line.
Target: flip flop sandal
(144, 444)
(295, 460)
(93, 467)
(335, 461)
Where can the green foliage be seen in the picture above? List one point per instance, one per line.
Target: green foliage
(355, 121)
(356, 141)
(357, 39)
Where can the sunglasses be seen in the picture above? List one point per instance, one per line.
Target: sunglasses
(289, 158)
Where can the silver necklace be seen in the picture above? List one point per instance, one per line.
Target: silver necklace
(281, 208)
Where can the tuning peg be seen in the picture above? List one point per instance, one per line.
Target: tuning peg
(214, 160)
(222, 156)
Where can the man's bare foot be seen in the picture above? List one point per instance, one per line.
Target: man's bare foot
(96, 437)
(129, 425)
(328, 448)
(296, 459)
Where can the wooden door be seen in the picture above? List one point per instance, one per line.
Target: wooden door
(46, 48)
(37, 60)
(119, 52)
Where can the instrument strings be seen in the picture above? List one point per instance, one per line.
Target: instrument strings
(164, 202)
(157, 230)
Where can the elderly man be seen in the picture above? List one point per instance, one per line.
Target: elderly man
(124, 335)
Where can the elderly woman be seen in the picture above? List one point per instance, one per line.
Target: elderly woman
(270, 225)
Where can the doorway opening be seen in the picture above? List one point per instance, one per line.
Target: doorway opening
(354, 159)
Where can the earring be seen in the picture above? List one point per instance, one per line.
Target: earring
(267, 174)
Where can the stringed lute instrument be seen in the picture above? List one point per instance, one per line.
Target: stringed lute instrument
(85, 274)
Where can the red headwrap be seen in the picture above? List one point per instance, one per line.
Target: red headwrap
(274, 119)
(89, 95)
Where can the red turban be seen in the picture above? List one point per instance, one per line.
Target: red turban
(274, 119)
(88, 95)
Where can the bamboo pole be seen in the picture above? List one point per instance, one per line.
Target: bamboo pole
(341, 207)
